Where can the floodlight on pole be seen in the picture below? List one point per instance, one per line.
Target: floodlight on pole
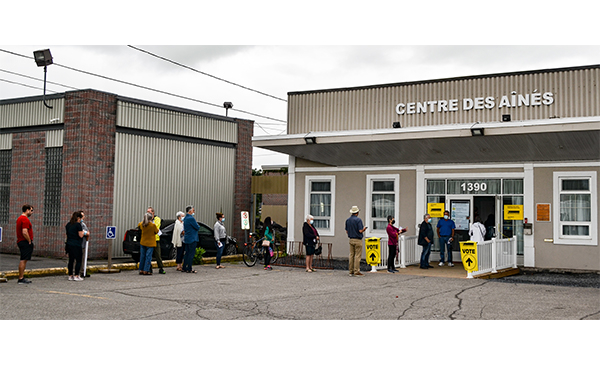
(43, 58)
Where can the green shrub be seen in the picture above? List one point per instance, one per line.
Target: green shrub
(198, 256)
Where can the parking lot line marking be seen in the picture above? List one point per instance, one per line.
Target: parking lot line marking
(77, 295)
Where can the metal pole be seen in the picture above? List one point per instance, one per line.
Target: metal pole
(44, 98)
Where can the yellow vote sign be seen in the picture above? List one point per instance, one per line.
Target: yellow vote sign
(373, 250)
(468, 255)
(435, 210)
(513, 212)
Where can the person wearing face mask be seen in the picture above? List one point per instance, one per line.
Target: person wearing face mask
(177, 239)
(425, 240)
(220, 238)
(310, 238)
(190, 238)
(445, 231)
(393, 233)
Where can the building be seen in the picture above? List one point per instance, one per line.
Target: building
(112, 157)
(522, 148)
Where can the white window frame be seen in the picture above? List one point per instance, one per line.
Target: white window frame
(592, 239)
(307, 183)
(369, 203)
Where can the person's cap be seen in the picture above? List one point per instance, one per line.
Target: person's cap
(354, 209)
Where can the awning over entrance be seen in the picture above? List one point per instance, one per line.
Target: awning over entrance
(569, 139)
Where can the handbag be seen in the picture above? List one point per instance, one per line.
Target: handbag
(266, 243)
(318, 250)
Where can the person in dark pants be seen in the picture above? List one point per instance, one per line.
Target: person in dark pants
(268, 235)
(75, 233)
(425, 240)
(393, 234)
(178, 239)
(24, 241)
(157, 253)
(190, 238)
(445, 231)
(220, 238)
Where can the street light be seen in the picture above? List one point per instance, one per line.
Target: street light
(227, 105)
(43, 58)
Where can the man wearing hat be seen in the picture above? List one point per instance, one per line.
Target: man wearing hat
(355, 229)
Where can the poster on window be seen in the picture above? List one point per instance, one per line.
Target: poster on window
(459, 213)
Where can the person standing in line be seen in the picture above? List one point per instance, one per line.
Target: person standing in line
(147, 243)
(425, 240)
(393, 234)
(220, 238)
(24, 241)
(84, 244)
(310, 236)
(176, 240)
(354, 230)
(190, 238)
(477, 231)
(268, 236)
(445, 231)
(157, 251)
(74, 232)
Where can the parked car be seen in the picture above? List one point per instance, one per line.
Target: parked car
(131, 241)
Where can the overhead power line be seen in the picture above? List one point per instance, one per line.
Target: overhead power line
(149, 88)
(204, 73)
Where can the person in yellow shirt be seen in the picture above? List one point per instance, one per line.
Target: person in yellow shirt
(157, 252)
(147, 243)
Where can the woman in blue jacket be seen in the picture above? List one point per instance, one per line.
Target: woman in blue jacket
(268, 236)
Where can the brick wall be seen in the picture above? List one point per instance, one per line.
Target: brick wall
(243, 176)
(88, 164)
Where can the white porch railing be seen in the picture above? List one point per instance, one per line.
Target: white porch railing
(495, 255)
(409, 254)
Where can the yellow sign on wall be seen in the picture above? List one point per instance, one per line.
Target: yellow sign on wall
(373, 250)
(435, 210)
(513, 212)
(468, 255)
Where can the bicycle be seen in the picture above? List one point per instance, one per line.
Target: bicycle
(254, 251)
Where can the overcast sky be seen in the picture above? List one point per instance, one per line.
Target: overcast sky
(278, 69)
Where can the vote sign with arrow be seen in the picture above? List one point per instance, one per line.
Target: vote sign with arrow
(468, 254)
(373, 251)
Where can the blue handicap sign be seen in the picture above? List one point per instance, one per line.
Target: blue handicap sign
(111, 232)
(0, 234)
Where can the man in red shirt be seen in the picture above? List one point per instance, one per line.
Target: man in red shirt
(24, 241)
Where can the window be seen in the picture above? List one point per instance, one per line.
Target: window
(5, 168)
(320, 202)
(382, 201)
(53, 186)
(575, 207)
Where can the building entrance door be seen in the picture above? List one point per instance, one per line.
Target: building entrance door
(460, 213)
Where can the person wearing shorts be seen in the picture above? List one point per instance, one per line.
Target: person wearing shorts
(24, 241)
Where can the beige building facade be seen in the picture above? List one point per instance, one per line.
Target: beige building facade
(520, 150)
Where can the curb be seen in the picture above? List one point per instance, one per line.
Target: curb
(14, 274)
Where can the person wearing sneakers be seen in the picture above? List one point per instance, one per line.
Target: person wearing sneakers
(445, 231)
(220, 238)
(268, 235)
(24, 241)
(354, 230)
(75, 233)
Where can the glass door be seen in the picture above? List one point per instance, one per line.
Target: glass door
(460, 212)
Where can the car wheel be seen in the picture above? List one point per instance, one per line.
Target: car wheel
(173, 253)
(135, 257)
(230, 250)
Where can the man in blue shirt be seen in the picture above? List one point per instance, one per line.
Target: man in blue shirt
(190, 238)
(355, 229)
(445, 231)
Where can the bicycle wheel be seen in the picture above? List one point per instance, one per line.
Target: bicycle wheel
(275, 249)
(248, 256)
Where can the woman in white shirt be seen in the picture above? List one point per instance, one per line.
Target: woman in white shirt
(477, 231)
(178, 239)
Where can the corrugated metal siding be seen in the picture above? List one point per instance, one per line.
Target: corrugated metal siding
(576, 94)
(6, 141)
(31, 113)
(54, 138)
(169, 175)
(145, 117)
